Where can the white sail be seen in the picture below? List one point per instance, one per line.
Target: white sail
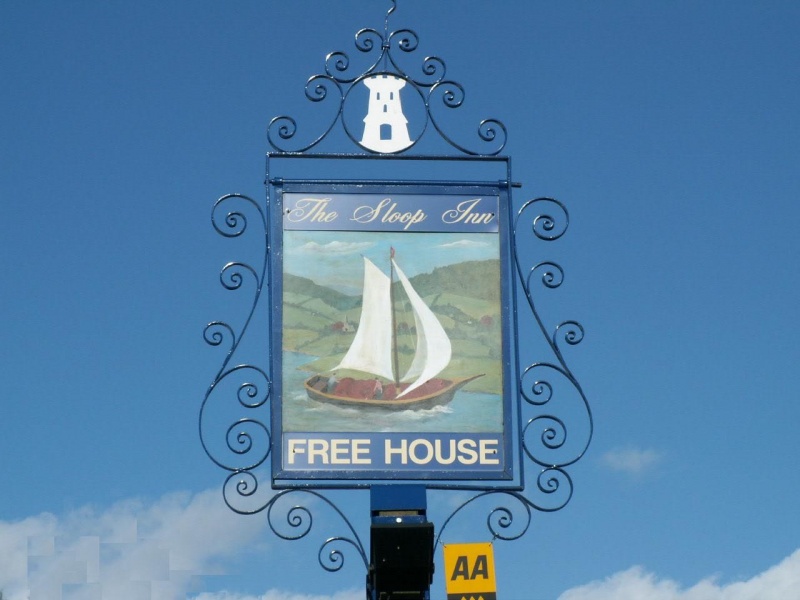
(434, 350)
(371, 350)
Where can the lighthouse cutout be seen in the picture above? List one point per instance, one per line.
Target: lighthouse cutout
(385, 126)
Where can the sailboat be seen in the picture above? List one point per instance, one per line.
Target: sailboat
(374, 352)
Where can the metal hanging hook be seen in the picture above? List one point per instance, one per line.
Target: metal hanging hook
(386, 21)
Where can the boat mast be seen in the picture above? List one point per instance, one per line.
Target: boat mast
(395, 358)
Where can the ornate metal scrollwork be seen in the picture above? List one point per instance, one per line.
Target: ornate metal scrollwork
(248, 438)
(244, 445)
(292, 521)
(383, 53)
(540, 393)
(548, 445)
(543, 434)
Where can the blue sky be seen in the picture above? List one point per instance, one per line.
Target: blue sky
(671, 132)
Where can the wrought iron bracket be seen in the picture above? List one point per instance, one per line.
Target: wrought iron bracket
(384, 54)
(548, 389)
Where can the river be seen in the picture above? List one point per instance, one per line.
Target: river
(468, 412)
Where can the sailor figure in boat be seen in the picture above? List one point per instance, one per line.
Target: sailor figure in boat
(374, 351)
(330, 386)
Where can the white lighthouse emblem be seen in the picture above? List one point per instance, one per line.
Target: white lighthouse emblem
(385, 126)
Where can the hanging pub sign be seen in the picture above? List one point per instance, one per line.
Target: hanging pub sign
(392, 332)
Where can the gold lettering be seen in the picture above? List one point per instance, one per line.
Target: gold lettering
(367, 214)
(465, 212)
(313, 210)
(387, 211)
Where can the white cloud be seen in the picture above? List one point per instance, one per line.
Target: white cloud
(130, 551)
(354, 594)
(631, 460)
(334, 247)
(159, 550)
(780, 582)
(460, 244)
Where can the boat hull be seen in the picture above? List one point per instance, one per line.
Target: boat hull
(442, 396)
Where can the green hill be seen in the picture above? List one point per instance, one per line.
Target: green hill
(302, 286)
(467, 279)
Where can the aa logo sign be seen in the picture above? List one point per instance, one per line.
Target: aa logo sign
(469, 572)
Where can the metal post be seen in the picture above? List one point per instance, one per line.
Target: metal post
(401, 544)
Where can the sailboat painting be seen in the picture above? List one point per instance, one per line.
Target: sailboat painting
(392, 343)
(374, 352)
(391, 326)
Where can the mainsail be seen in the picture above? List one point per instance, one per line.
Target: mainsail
(372, 348)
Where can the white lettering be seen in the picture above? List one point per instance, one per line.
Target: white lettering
(440, 458)
(489, 454)
(423, 460)
(295, 447)
(340, 450)
(467, 453)
(441, 452)
(402, 451)
(361, 447)
(433, 451)
(318, 448)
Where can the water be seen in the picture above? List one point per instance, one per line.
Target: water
(468, 412)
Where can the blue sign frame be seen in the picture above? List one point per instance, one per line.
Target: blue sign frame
(439, 404)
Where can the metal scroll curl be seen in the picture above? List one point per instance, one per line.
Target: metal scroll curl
(385, 54)
(510, 513)
(235, 412)
(239, 394)
(549, 389)
(556, 423)
(509, 518)
(290, 520)
(299, 520)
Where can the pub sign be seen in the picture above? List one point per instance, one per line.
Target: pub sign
(392, 335)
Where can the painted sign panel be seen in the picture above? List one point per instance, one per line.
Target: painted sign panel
(469, 571)
(393, 335)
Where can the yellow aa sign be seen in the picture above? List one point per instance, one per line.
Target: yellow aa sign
(469, 572)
